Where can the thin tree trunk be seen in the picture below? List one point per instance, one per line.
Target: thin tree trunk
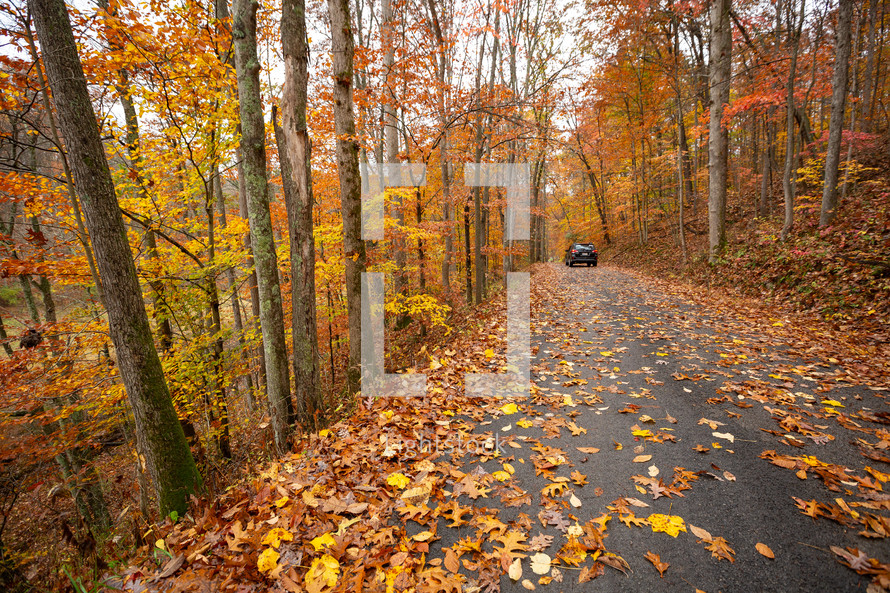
(853, 110)
(253, 150)
(788, 173)
(766, 172)
(350, 181)
(294, 152)
(868, 77)
(164, 448)
(391, 140)
(838, 107)
(252, 287)
(718, 135)
(232, 287)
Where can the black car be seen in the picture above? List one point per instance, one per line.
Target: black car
(581, 253)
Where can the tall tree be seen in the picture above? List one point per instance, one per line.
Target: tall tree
(838, 106)
(795, 27)
(391, 136)
(253, 150)
(162, 445)
(718, 135)
(294, 153)
(350, 181)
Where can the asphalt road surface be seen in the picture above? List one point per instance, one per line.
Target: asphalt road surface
(610, 350)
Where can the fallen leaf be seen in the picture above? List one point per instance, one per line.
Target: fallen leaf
(642, 458)
(268, 560)
(540, 563)
(515, 570)
(700, 533)
(398, 480)
(656, 561)
(670, 524)
(323, 572)
(277, 535)
(510, 408)
(765, 550)
(590, 450)
(724, 435)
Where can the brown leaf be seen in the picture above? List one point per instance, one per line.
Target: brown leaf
(720, 549)
(170, 567)
(588, 449)
(588, 573)
(700, 533)
(765, 550)
(655, 559)
(451, 561)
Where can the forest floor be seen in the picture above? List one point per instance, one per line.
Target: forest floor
(672, 442)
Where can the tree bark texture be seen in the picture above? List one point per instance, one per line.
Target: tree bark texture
(838, 106)
(350, 180)
(718, 137)
(294, 150)
(253, 151)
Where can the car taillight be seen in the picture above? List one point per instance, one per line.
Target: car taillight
(574, 251)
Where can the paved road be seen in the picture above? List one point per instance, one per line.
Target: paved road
(611, 342)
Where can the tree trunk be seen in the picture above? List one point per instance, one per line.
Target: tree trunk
(391, 140)
(788, 173)
(232, 286)
(868, 77)
(294, 151)
(838, 107)
(718, 136)
(766, 172)
(253, 151)
(166, 454)
(350, 181)
(251, 276)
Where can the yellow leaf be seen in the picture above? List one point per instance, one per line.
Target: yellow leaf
(501, 476)
(324, 433)
(833, 402)
(642, 433)
(268, 560)
(509, 469)
(322, 541)
(398, 480)
(161, 544)
(282, 501)
(510, 408)
(670, 524)
(489, 353)
(523, 423)
(346, 524)
(322, 573)
(607, 353)
(276, 536)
